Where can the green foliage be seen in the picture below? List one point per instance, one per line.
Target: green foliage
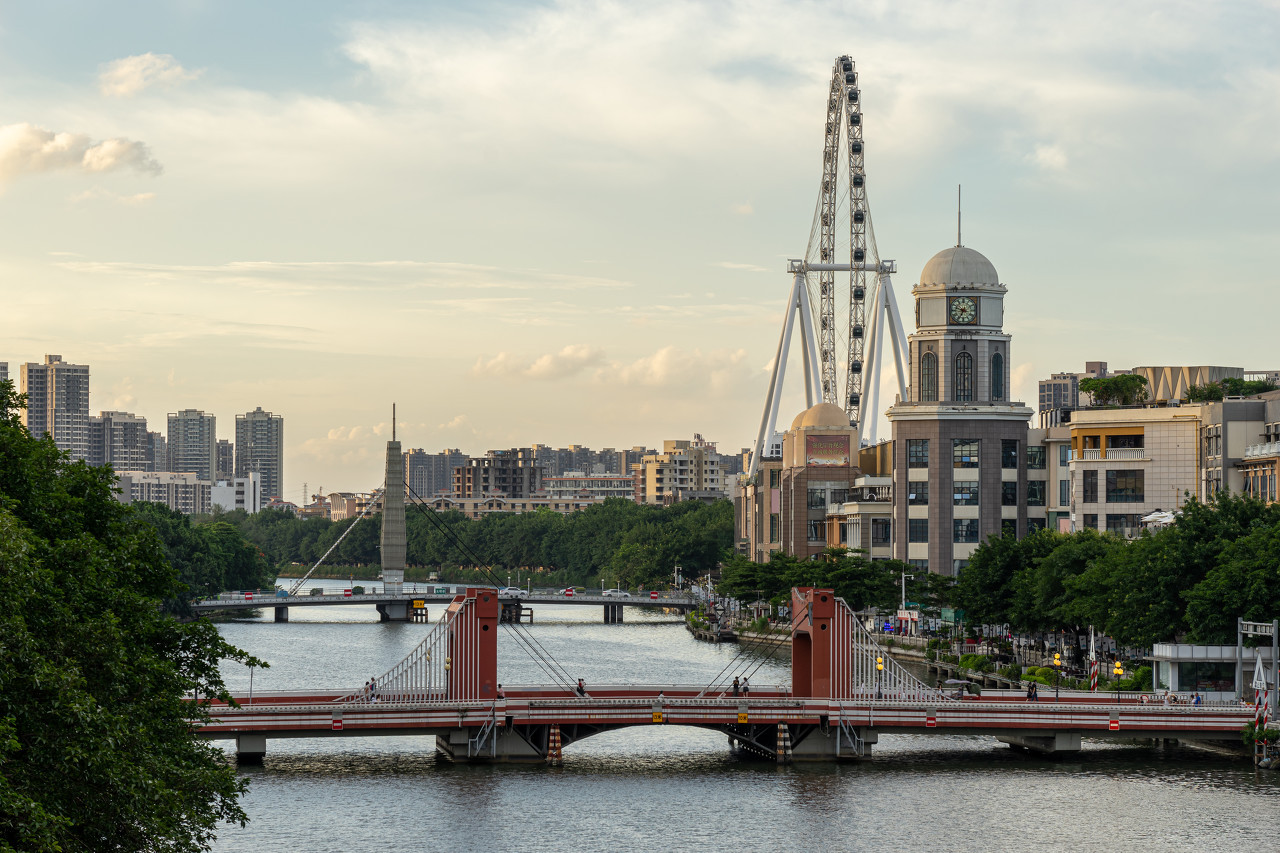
(1139, 679)
(1013, 672)
(978, 663)
(1232, 386)
(209, 557)
(1127, 389)
(357, 590)
(631, 544)
(859, 581)
(96, 743)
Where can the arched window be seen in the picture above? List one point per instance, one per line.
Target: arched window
(997, 377)
(928, 377)
(964, 377)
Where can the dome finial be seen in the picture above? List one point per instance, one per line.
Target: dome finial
(958, 243)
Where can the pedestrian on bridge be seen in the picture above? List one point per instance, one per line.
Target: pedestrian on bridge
(582, 690)
(746, 686)
(736, 686)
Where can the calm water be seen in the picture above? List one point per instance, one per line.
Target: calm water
(671, 788)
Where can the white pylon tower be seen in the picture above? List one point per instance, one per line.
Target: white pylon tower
(840, 346)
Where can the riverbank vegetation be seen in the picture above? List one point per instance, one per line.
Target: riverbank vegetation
(97, 749)
(631, 545)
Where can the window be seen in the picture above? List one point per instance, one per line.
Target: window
(917, 530)
(929, 377)
(918, 492)
(881, 531)
(844, 533)
(1091, 520)
(839, 496)
(1064, 455)
(1125, 487)
(1089, 484)
(1034, 524)
(1064, 492)
(817, 531)
(997, 377)
(964, 453)
(1008, 453)
(817, 498)
(773, 527)
(773, 478)
(1122, 523)
(1036, 492)
(966, 493)
(1125, 442)
(966, 529)
(1009, 493)
(922, 565)
(964, 378)
(917, 453)
(958, 566)
(1036, 459)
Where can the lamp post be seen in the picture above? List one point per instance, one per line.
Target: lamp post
(1117, 671)
(903, 608)
(879, 670)
(1057, 673)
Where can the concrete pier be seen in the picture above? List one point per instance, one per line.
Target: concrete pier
(282, 614)
(1045, 744)
(613, 614)
(251, 748)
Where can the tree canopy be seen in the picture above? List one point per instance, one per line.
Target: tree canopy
(1231, 386)
(1125, 389)
(97, 750)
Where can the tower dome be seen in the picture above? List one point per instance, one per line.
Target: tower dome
(959, 265)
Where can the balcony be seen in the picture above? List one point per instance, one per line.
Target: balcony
(1124, 454)
(1259, 450)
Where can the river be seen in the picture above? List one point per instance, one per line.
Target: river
(673, 789)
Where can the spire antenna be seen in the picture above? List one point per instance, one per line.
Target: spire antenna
(393, 421)
(958, 243)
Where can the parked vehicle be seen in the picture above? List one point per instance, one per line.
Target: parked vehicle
(512, 592)
(616, 593)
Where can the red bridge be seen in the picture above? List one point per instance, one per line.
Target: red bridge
(844, 693)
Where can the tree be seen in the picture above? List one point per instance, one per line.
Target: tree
(1126, 389)
(97, 749)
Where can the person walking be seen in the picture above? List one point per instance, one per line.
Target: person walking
(736, 687)
(746, 686)
(581, 690)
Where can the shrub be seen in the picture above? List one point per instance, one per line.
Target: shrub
(357, 590)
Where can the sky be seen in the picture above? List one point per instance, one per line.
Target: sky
(568, 222)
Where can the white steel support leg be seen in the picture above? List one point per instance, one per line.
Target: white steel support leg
(897, 335)
(769, 419)
(808, 335)
(871, 369)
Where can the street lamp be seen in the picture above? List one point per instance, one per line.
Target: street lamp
(1117, 671)
(1057, 673)
(879, 670)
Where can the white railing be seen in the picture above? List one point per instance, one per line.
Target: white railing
(1270, 449)
(1119, 453)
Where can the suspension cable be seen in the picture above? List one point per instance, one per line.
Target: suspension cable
(293, 590)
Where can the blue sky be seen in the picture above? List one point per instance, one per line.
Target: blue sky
(569, 222)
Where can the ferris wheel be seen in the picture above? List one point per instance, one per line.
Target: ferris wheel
(841, 338)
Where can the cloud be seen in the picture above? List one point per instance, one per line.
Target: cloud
(129, 76)
(570, 360)
(26, 149)
(744, 209)
(730, 265)
(672, 367)
(100, 194)
(1050, 157)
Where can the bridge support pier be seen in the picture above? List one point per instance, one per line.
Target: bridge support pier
(251, 748)
(505, 746)
(282, 614)
(613, 614)
(833, 745)
(1045, 744)
(393, 611)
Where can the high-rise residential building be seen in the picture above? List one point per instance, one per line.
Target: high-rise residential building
(684, 470)
(4, 371)
(121, 440)
(58, 403)
(157, 452)
(193, 443)
(182, 491)
(426, 474)
(510, 473)
(260, 450)
(226, 465)
(965, 466)
(578, 484)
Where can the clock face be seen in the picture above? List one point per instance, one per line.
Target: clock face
(964, 310)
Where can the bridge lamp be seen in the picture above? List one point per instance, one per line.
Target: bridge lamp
(1057, 673)
(1117, 671)
(879, 669)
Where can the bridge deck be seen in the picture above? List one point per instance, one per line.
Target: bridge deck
(263, 600)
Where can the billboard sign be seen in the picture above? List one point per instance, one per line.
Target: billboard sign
(826, 450)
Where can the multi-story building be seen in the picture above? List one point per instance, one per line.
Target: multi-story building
(864, 520)
(57, 403)
(478, 507)
(1060, 394)
(963, 467)
(240, 493)
(157, 451)
(182, 491)
(577, 484)
(4, 371)
(510, 473)
(427, 474)
(193, 443)
(226, 464)
(344, 505)
(1129, 462)
(260, 450)
(684, 470)
(785, 507)
(119, 439)
(1170, 384)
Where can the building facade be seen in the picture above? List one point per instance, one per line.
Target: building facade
(121, 440)
(684, 470)
(260, 450)
(57, 403)
(577, 484)
(428, 474)
(226, 464)
(184, 492)
(192, 443)
(512, 473)
(239, 493)
(961, 457)
(478, 507)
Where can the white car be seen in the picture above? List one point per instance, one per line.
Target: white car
(512, 592)
(616, 593)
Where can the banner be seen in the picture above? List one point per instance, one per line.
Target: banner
(826, 450)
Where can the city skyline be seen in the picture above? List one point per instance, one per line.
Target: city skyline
(569, 222)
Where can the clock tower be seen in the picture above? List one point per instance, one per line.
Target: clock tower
(960, 446)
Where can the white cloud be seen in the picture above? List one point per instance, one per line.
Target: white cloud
(132, 74)
(672, 367)
(572, 359)
(744, 209)
(1050, 157)
(731, 265)
(26, 149)
(100, 194)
